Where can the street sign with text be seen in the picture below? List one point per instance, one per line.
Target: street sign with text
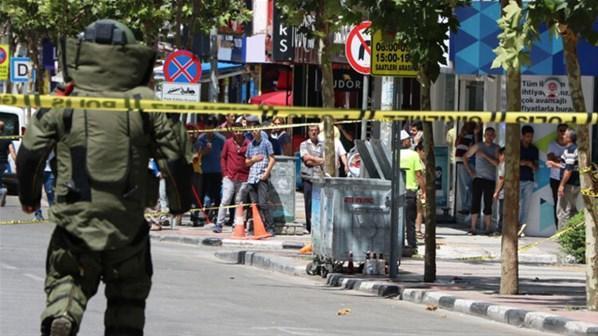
(389, 58)
(21, 70)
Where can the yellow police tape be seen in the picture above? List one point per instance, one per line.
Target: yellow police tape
(23, 221)
(123, 104)
(589, 192)
(228, 129)
(553, 237)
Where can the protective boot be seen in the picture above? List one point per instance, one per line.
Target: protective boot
(61, 326)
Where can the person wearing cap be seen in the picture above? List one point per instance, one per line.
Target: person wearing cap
(260, 160)
(102, 183)
(414, 178)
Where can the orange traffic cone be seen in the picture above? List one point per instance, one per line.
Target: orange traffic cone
(239, 229)
(306, 249)
(259, 231)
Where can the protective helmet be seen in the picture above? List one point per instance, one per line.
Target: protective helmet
(107, 31)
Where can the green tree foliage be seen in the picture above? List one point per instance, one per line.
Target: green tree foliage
(218, 13)
(513, 42)
(573, 241)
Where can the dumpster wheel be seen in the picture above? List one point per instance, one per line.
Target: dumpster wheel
(310, 269)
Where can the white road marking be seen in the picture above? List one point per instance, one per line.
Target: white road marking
(7, 266)
(34, 277)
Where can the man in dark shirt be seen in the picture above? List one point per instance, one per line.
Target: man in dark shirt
(6, 149)
(569, 187)
(528, 164)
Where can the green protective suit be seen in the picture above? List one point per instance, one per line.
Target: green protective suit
(103, 185)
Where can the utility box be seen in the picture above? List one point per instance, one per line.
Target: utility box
(282, 195)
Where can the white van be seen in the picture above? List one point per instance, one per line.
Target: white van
(15, 123)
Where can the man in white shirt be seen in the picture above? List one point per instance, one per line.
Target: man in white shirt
(553, 160)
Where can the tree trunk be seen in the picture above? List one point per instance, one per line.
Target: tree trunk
(214, 87)
(583, 143)
(178, 22)
(33, 46)
(11, 51)
(327, 87)
(509, 280)
(430, 209)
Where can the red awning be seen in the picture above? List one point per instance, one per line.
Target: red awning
(276, 98)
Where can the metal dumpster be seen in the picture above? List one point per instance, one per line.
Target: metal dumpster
(348, 215)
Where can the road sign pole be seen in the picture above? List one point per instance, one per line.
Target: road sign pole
(364, 105)
(396, 222)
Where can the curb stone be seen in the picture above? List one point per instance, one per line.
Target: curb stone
(216, 241)
(499, 313)
(249, 258)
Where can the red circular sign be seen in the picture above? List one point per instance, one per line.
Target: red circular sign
(3, 55)
(182, 66)
(357, 49)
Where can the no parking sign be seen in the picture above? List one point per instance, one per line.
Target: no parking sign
(182, 66)
(358, 48)
(4, 57)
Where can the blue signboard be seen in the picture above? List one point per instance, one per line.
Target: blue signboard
(21, 70)
(471, 47)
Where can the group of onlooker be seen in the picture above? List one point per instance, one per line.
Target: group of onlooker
(232, 166)
(480, 175)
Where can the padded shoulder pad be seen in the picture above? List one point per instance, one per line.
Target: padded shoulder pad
(143, 91)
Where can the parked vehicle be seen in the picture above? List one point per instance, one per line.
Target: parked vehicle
(15, 122)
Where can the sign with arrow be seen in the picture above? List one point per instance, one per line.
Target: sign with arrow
(358, 48)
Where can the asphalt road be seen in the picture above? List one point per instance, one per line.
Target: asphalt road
(196, 294)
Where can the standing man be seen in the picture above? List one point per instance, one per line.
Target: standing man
(553, 160)
(209, 145)
(6, 149)
(569, 186)
(484, 177)
(235, 173)
(260, 160)
(414, 178)
(280, 139)
(465, 140)
(312, 165)
(228, 123)
(102, 184)
(529, 156)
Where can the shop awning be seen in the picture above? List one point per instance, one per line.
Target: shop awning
(223, 67)
(276, 98)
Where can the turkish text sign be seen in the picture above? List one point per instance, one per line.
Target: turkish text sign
(389, 58)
